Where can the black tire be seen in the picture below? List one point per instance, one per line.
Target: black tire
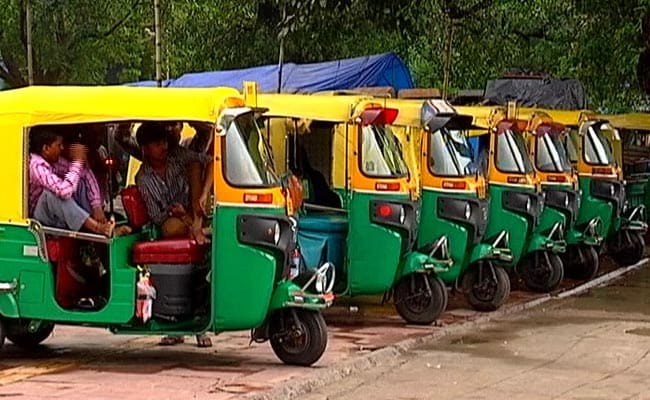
(299, 340)
(581, 262)
(413, 301)
(632, 249)
(486, 286)
(18, 333)
(541, 271)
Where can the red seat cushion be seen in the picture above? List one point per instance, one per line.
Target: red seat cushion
(168, 251)
(134, 206)
(60, 249)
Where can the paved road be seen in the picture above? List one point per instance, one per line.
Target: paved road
(596, 346)
(83, 363)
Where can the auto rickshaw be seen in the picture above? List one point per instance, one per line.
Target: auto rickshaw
(357, 212)
(633, 155)
(559, 181)
(591, 150)
(453, 197)
(239, 282)
(516, 200)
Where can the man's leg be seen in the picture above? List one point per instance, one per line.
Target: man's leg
(81, 196)
(174, 227)
(60, 213)
(67, 214)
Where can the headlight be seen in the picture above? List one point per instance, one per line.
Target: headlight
(468, 211)
(276, 233)
(612, 191)
(528, 205)
(402, 215)
(566, 201)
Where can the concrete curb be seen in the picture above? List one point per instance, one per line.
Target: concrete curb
(343, 369)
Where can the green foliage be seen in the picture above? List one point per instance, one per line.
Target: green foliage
(109, 41)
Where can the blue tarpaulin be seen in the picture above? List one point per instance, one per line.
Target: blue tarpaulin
(377, 70)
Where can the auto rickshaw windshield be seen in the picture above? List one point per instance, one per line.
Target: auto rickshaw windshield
(511, 154)
(381, 154)
(248, 156)
(451, 154)
(597, 149)
(550, 155)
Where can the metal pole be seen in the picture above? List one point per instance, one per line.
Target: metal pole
(156, 16)
(28, 35)
(280, 63)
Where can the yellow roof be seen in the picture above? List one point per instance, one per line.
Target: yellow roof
(71, 104)
(409, 111)
(640, 121)
(321, 107)
(571, 118)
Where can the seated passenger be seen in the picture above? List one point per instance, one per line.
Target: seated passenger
(164, 181)
(60, 191)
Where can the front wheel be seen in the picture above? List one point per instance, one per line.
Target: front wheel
(420, 298)
(19, 334)
(632, 247)
(542, 271)
(298, 336)
(486, 286)
(581, 262)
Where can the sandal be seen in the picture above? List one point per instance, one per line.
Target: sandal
(171, 340)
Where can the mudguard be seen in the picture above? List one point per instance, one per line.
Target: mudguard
(541, 242)
(416, 262)
(485, 251)
(288, 294)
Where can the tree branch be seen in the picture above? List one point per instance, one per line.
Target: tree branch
(102, 35)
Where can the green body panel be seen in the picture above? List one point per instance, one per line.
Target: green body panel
(500, 219)
(592, 207)
(433, 227)
(636, 191)
(35, 292)
(540, 240)
(243, 277)
(374, 251)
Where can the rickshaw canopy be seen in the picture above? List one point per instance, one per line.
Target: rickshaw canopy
(638, 121)
(37, 105)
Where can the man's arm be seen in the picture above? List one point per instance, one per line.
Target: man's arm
(63, 188)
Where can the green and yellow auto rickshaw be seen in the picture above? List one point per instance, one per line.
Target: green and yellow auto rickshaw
(516, 200)
(358, 213)
(454, 202)
(591, 149)
(559, 181)
(632, 152)
(239, 282)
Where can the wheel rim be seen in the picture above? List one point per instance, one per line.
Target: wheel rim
(485, 289)
(296, 339)
(417, 300)
(541, 272)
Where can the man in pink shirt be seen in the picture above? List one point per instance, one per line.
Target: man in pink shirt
(60, 192)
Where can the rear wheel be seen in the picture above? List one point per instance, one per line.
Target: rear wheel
(298, 336)
(542, 271)
(486, 286)
(18, 333)
(420, 298)
(631, 250)
(581, 262)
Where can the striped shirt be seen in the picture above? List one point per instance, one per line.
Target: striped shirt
(160, 193)
(87, 177)
(43, 176)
